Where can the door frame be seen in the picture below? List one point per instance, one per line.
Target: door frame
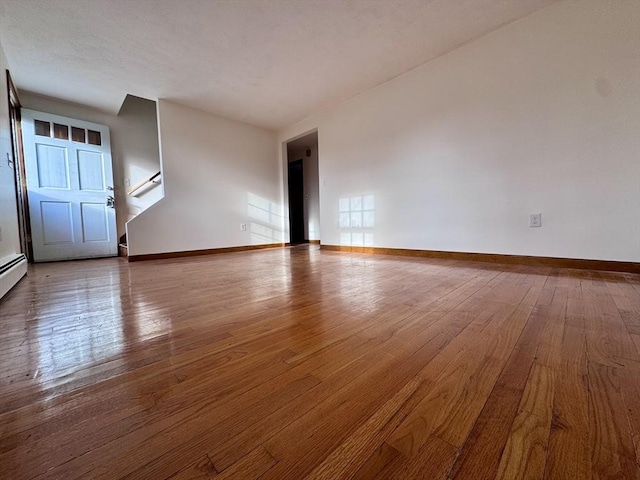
(284, 157)
(20, 180)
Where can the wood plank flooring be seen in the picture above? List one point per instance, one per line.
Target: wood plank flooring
(299, 363)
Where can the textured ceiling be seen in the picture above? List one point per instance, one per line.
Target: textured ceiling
(267, 62)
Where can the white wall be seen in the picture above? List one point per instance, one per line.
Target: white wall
(311, 188)
(134, 146)
(539, 116)
(9, 237)
(217, 174)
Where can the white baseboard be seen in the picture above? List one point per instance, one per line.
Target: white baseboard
(12, 269)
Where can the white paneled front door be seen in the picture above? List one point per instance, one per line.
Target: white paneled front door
(70, 187)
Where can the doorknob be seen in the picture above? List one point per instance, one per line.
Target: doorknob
(111, 202)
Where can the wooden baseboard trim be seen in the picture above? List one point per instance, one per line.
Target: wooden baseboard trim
(314, 242)
(208, 251)
(556, 262)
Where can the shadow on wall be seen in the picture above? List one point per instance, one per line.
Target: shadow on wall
(137, 148)
(356, 220)
(266, 220)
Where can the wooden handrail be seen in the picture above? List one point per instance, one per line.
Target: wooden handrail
(143, 183)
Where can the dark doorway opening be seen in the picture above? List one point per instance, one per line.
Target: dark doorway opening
(296, 202)
(304, 189)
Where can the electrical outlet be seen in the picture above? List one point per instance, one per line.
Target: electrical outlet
(535, 220)
(243, 227)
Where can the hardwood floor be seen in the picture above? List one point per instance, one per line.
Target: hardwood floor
(296, 363)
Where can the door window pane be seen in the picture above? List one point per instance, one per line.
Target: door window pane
(43, 128)
(78, 134)
(60, 131)
(94, 137)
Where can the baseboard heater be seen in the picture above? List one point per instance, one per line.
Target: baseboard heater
(12, 269)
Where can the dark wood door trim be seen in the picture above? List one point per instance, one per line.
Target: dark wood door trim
(17, 151)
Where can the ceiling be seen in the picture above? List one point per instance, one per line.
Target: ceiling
(265, 62)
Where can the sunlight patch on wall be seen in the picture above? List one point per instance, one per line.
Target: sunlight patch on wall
(356, 220)
(266, 220)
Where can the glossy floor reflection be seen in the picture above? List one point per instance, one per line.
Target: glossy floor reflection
(293, 363)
